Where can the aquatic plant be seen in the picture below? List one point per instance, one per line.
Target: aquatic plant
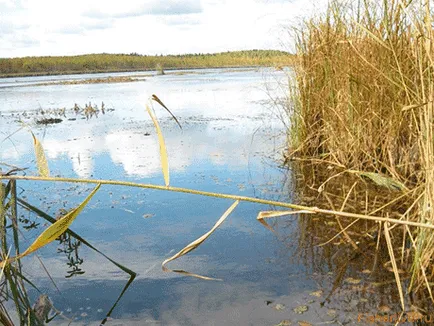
(159, 69)
(362, 103)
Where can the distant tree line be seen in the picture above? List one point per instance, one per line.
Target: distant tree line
(105, 62)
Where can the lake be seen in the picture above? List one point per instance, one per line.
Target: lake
(232, 140)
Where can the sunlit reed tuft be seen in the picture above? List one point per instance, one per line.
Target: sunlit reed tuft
(362, 93)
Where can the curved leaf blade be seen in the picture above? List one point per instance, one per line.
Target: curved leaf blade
(156, 99)
(196, 243)
(54, 230)
(163, 151)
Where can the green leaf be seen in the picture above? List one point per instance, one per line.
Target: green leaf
(384, 181)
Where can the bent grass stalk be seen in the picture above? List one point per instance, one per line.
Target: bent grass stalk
(303, 208)
(196, 243)
(163, 150)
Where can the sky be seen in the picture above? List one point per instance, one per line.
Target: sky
(53, 27)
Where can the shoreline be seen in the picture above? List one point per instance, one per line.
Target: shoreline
(101, 71)
(111, 63)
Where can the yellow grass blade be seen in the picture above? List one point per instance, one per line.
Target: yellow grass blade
(163, 151)
(196, 243)
(54, 230)
(413, 106)
(3, 267)
(394, 266)
(373, 36)
(41, 160)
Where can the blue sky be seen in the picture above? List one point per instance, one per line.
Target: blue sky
(54, 27)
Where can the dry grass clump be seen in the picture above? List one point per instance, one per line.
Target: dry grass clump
(363, 100)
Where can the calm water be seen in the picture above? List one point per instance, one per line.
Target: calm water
(231, 142)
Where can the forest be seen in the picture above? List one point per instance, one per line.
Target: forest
(104, 62)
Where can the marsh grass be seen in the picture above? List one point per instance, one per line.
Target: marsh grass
(105, 80)
(362, 100)
(159, 69)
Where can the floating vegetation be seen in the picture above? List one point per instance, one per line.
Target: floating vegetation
(48, 121)
(50, 116)
(284, 322)
(106, 80)
(316, 293)
(89, 111)
(58, 115)
(301, 309)
(279, 307)
(351, 280)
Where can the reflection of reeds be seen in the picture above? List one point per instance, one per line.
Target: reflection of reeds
(364, 101)
(348, 247)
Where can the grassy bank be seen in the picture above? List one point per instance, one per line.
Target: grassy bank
(93, 63)
(362, 102)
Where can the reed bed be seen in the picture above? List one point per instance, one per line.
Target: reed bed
(362, 102)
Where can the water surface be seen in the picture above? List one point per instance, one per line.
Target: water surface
(231, 142)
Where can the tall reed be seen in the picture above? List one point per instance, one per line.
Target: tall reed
(363, 100)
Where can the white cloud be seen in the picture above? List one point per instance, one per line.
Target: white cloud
(138, 154)
(149, 27)
(101, 9)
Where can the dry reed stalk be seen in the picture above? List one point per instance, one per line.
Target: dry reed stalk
(363, 99)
